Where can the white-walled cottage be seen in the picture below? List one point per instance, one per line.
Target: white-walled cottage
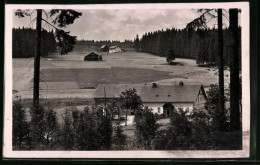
(160, 98)
(163, 98)
(115, 49)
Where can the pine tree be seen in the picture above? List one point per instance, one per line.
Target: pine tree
(137, 43)
(65, 41)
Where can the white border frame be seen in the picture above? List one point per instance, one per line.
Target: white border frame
(244, 153)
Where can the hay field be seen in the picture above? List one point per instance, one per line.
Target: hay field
(70, 76)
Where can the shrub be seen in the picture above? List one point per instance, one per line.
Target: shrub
(67, 132)
(119, 139)
(201, 137)
(37, 127)
(145, 127)
(211, 106)
(52, 132)
(177, 135)
(158, 116)
(20, 127)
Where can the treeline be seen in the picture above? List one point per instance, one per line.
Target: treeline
(201, 45)
(103, 41)
(24, 42)
(125, 44)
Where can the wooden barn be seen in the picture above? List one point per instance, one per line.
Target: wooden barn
(93, 57)
(104, 48)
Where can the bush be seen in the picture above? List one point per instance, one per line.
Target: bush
(52, 132)
(145, 127)
(20, 127)
(201, 137)
(177, 136)
(158, 116)
(119, 139)
(67, 132)
(37, 127)
(212, 105)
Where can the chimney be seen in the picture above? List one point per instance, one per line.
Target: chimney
(155, 85)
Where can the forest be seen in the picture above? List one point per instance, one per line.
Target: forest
(24, 42)
(201, 44)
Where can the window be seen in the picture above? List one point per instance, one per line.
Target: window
(159, 110)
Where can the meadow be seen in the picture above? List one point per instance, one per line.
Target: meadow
(69, 76)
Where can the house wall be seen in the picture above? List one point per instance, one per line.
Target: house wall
(118, 50)
(155, 106)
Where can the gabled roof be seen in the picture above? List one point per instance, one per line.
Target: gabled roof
(148, 93)
(170, 93)
(92, 53)
(114, 90)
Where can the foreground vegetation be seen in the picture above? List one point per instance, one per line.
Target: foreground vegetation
(99, 130)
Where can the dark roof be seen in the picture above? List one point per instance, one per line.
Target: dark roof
(92, 53)
(170, 93)
(114, 90)
(161, 93)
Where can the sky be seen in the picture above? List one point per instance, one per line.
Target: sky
(120, 24)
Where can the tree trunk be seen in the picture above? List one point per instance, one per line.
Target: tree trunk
(37, 59)
(234, 71)
(221, 113)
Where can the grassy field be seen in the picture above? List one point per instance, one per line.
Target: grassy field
(91, 77)
(66, 76)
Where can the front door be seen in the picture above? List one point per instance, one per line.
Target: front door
(167, 109)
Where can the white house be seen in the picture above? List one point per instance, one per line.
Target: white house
(115, 49)
(164, 98)
(160, 98)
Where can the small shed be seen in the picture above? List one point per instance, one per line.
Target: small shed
(93, 57)
(104, 48)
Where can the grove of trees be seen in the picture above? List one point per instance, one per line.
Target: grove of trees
(200, 44)
(24, 42)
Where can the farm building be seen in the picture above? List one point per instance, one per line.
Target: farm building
(104, 48)
(160, 98)
(115, 49)
(93, 57)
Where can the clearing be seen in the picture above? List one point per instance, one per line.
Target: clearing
(69, 76)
